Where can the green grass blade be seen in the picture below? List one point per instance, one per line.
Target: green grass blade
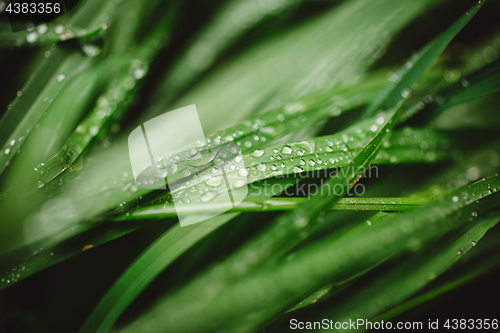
(406, 279)
(275, 204)
(415, 67)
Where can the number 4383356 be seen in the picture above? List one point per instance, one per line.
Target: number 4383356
(33, 8)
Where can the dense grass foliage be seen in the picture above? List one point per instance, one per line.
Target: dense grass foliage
(393, 105)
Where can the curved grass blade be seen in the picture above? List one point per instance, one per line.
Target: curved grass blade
(415, 67)
(406, 279)
(151, 263)
(42, 259)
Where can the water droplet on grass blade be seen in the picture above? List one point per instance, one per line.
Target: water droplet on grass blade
(257, 153)
(261, 167)
(32, 37)
(287, 150)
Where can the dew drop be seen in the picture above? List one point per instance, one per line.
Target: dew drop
(61, 77)
(261, 167)
(297, 169)
(287, 150)
(32, 37)
(311, 163)
(257, 153)
(6, 151)
(59, 29)
(243, 172)
(455, 198)
(473, 243)
(302, 162)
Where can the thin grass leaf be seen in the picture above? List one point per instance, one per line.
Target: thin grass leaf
(322, 153)
(275, 204)
(415, 67)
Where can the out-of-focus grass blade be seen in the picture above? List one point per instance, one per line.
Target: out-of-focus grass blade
(418, 270)
(415, 67)
(436, 292)
(58, 66)
(42, 259)
(319, 54)
(220, 34)
(34, 99)
(151, 263)
(484, 82)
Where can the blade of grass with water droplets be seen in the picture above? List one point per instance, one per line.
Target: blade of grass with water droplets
(290, 117)
(45, 34)
(274, 204)
(415, 67)
(336, 151)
